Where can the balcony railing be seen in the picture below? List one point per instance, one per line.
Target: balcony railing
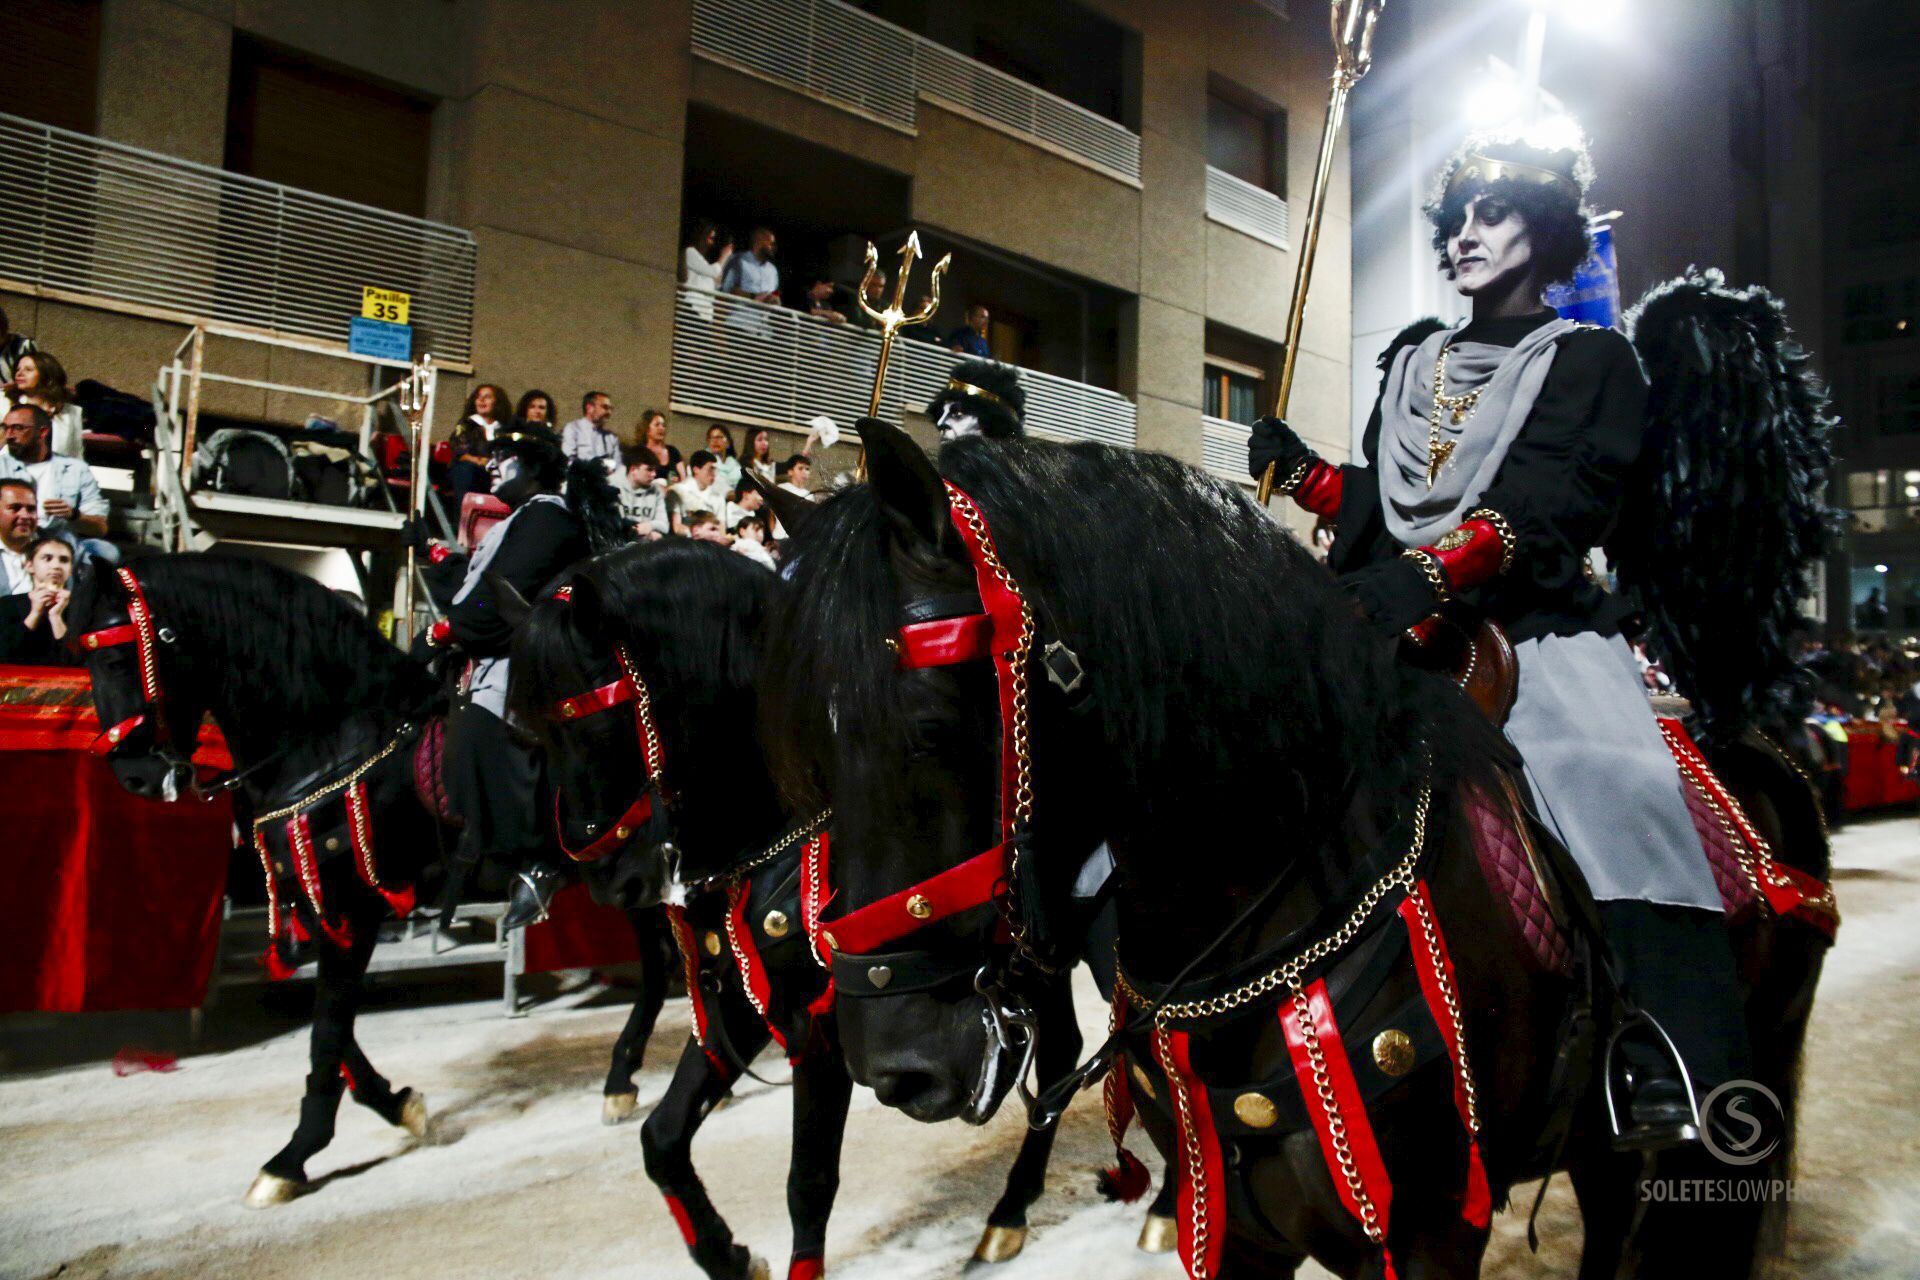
(852, 59)
(740, 359)
(1223, 449)
(1246, 208)
(106, 221)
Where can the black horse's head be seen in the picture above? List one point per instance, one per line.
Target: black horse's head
(149, 710)
(888, 702)
(637, 675)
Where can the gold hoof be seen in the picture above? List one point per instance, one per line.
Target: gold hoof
(1000, 1244)
(616, 1107)
(413, 1113)
(759, 1269)
(1159, 1234)
(270, 1189)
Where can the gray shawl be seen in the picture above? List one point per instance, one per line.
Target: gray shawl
(1512, 376)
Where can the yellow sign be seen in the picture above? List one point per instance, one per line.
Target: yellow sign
(390, 305)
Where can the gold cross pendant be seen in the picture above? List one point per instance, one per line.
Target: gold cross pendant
(1437, 457)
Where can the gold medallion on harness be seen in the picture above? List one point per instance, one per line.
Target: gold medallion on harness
(1144, 1081)
(1393, 1052)
(776, 924)
(1256, 1110)
(918, 907)
(711, 942)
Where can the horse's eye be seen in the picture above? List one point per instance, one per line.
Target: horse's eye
(926, 737)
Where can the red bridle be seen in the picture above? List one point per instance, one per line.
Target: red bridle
(1001, 632)
(140, 632)
(629, 688)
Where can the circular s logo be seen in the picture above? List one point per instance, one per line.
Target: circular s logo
(1742, 1122)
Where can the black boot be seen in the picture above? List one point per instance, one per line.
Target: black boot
(529, 894)
(1679, 971)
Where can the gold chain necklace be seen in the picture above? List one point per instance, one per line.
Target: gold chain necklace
(1461, 407)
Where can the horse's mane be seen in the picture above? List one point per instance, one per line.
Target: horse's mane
(689, 612)
(1226, 666)
(287, 646)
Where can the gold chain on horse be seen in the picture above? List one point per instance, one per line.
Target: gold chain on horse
(643, 706)
(1336, 1122)
(312, 798)
(734, 875)
(1288, 975)
(734, 892)
(1190, 1148)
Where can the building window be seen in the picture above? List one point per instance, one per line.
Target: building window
(293, 121)
(1880, 310)
(1247, 138)
(50, 61)
(1231, 392)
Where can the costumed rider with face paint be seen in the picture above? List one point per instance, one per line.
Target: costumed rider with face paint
(1497, 455)
(982, 397)
(562, 513)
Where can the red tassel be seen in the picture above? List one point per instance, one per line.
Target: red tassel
(1476, 1210)
(1127, 1181)
(278, 970)
(401, 902)
(340, 935)
(299, 927)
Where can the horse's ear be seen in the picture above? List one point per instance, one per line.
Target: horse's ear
(792, 511)
(586, 607)
(512, 606)
(909, 489)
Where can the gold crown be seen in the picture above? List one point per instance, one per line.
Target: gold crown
(1476, 167)
(967, 388)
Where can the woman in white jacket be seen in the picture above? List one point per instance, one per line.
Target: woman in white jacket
(702, 273)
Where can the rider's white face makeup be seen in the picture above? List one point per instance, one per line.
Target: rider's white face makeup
(1491, 249)
(956, 421)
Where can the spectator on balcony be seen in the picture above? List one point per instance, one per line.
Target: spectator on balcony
(720, 445)
(702, 263)
(820, 302)
(750, 540)
(700, 491)
(643, 495)
(924, 332)
(970, 339)
(486, 409)
(39, 379)
(588, 438)
(752, 275)
(33, 623)
(536, 406)
(12, 347)
(704, 526)
(71, 504)
(653, 434)
(19, 527)
(759, 459)
(873, 291)
(466, 456)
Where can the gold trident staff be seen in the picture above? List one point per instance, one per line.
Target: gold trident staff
(413, 403)
(895, 315)
(1353, 22)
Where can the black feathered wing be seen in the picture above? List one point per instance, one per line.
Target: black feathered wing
(596, 504)
(1724, 516)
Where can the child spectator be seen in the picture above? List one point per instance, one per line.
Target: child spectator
(700, 491)
(720, 445)
(33, 624)
(750, 540)
(643, 495)
(746, 502)
(759, 459)
(704, 526)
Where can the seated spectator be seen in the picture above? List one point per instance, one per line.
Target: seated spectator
(820, 302)
(746, 502)
(759, 459)
(700, 491)
(750, 540)
(467, 460)
(752, 274)
(704, 526)
(925, 331)
(588, 438)
(970, 339)
(795, 474)
(535, 406)
(19, 529)
(39, 379)
(12, 347)
(486, 409)
(71, 504)
(720, 445)
(33, 623)
(653, 434)
(643, 495)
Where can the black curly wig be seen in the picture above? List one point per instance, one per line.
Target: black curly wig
(1555, 212)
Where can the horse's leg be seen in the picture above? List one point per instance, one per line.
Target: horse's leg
(619, 1098)
(1058, 1053)
(336, 998)
(1603, 1185)
(666, 1140)
(821, 1091)
(1160, 1233)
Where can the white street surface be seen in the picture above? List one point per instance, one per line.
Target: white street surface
(142, 1176)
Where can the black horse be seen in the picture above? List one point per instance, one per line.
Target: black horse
(333, 737)
(678, 628)
(975, 663)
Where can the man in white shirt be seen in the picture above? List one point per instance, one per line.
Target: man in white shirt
(587, 439)
(71, 504)
(19, 525)
(699, 492)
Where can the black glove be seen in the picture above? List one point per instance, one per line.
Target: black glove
(413, 533)
(1394, 595)
(1273, 441)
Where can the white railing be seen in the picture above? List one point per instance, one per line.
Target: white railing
(740, 359)
(1223, 449)
(1235, 203)
(848, 57)
(102, 220)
